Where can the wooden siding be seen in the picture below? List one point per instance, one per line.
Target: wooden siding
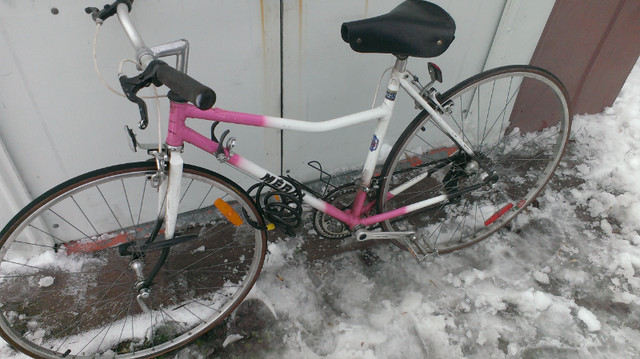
(591, 45)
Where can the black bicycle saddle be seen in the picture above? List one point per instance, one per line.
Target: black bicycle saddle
(414, 28)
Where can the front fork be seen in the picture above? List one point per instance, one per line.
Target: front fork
(168, 187)
(173, 191)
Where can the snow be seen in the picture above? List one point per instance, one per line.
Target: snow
(592, 322)
(45, 281)
(563, 282)
(231, 339)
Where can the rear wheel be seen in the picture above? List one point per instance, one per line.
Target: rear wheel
(516, 120)
(69, 264)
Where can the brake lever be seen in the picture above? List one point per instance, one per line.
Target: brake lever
(99, 16)
(131, 86)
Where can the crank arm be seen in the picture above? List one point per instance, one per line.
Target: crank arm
(421, 249)
(364, 235)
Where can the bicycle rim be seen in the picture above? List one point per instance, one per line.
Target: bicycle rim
(67, 286)
(516, 120)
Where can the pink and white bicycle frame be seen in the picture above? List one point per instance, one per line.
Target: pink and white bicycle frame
(179, 133)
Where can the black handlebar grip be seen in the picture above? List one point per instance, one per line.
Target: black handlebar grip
(185, 86)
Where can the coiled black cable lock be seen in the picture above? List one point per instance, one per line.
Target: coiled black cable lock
(283, 209)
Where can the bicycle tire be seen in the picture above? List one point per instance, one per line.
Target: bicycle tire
(67, 288)
(518, 147)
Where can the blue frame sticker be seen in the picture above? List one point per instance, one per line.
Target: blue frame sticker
(391, 95)
(374, 143)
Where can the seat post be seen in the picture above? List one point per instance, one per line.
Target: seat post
(401, 63)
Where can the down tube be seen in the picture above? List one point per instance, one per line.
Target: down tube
(351, 220)
(276, 181)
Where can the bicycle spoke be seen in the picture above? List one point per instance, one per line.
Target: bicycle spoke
(85, 216)
(126, 197)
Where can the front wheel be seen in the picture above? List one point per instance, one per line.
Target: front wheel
(517, 121)
(72, 264)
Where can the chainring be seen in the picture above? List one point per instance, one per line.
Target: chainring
(327, 226)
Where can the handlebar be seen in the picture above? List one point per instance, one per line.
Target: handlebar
(187, 87)
(154, 71)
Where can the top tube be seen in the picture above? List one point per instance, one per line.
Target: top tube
(184, 110)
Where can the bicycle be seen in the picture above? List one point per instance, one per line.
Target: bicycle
(138, 259)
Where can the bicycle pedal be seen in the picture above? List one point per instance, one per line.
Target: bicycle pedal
(420, 249)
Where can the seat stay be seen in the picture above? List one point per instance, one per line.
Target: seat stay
(435, 115)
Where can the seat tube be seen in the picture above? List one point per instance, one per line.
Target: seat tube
(383, 123)
(379, 134)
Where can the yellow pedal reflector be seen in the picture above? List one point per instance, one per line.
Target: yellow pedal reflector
(271, 227)
(228, 212)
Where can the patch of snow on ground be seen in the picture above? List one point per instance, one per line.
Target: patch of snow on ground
(46, 281)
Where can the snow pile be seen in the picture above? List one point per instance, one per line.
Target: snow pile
(609, 145)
